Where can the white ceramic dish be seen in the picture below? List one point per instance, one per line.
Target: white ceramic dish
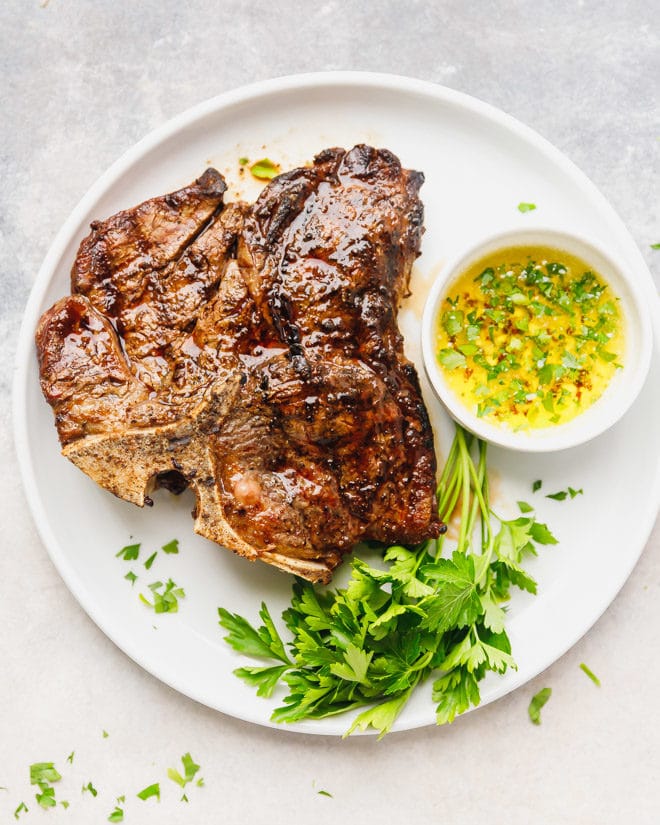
(479, 165)
(627, 283)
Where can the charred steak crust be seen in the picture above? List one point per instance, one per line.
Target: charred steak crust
(253, 354)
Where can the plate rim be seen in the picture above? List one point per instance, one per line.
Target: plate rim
(139, 150)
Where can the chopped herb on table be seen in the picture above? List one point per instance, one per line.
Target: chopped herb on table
(417, 613)
(171, 547)
(89, 788)
(526, 207)
(43, 774)
(149, 791)
(22, 808)
(117, 815)
(150, 560)
(537, 702)
(590, 674)
(189, 770)
(47, 797)
(655, 246)
(325, 793)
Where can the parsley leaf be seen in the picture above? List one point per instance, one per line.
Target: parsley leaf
(524, 507)
(324, 793)
(149, 791)
(171, 547)
(132, 578)
(189, 769)
(46, 798)
(590, 674)
(150, 560)
(22, 808)
(537, 485)
(43, 772)
(90, 788)
(561, 495)
(117, 815)
(264, 169)
(526, 207)
(69, 758)
(265, 643)
(655, 246)
(536, 703)
(129, 553)
(451, 358)
(166, 601)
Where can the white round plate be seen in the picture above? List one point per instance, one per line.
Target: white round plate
(479, 164)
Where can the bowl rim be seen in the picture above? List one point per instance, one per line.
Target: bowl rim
(573, 432)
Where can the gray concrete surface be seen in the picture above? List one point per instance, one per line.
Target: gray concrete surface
(81, 82)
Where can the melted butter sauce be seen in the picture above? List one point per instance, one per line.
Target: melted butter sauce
(529, 337)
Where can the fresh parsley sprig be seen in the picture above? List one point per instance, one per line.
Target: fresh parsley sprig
(421, 612)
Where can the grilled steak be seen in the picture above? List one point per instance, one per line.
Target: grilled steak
(253, 354)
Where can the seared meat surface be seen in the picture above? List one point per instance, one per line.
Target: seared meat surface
(253, 354)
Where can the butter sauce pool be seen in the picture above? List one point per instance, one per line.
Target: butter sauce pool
(529, 336)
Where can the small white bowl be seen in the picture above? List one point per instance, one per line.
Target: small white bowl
(620, 392)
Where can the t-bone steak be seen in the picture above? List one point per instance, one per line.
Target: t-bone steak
(252, 353)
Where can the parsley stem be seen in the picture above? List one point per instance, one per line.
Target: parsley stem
(463, 536)
(479, 479)
(449, 464)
